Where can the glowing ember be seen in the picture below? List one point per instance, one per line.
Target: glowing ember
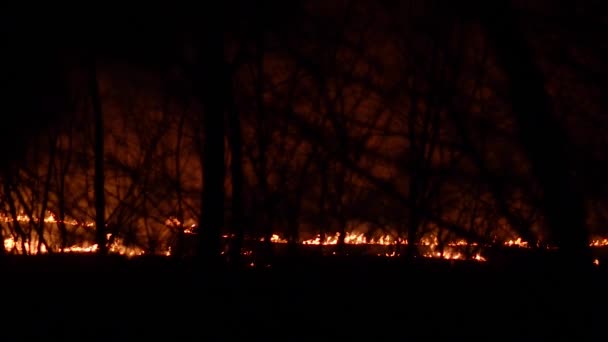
(78, 249)
(9, 244)
(462, 243)
(48, 218)
(517, 243)
(599, 243)
(189, 226)
(276, 239)
(478, 257)
(449, 253)
(24, 247)
(388, 255)
(428, 243)
(353, 239)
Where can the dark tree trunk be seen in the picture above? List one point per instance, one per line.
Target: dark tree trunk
(61, 179)
(213, 90)
(179, 250)
(63, 231)
(180, 244)
(414, 160)
(100, 221)
(295, 208)
(322, 202)
(263, 145)
(541, 135)
(236, 172)
(340, 212)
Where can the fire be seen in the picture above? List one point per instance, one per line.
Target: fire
(451, 254)
(277, 239)
(48, 218)
(478, 257)
(429, 243)
(599, 243)
(446, 255)
(31, 247)
(78, 249)
(517, 243)
(189, 226)
(524, 244)
(354, 239)
(462, 243)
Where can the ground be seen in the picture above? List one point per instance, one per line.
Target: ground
(88, 298)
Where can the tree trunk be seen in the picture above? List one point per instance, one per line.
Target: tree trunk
(340, 212)
(540, 134)
(236, 172)
(213, 87)
(322, 202)
(100, 221)
(179, 246)
(414, 160)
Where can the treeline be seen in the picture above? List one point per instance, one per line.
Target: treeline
(408, 118)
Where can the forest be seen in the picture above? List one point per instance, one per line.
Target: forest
(310, 135)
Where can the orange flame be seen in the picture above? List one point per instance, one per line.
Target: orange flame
(517, 243)
(351, 238)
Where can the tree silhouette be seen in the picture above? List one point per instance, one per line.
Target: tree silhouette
(562, 203)
(213, 87)
(99, 180)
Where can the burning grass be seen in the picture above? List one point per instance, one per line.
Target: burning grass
(384, 245)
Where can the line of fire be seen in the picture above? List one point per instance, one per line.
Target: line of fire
(407, 133)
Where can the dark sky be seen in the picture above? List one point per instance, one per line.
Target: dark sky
(40, 45)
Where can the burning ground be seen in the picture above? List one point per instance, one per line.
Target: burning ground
(370, 244)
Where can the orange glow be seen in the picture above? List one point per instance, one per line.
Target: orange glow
(599, 243)
(48, 218)
(353, 239)
(276, 239)
(517, 243)
(450, 250)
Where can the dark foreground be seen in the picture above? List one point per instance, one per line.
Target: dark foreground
(84, 298)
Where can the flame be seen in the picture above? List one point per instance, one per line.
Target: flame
(173, 222)
(353, 239)
(430, 242)
(9, 244)
(478, 257)
(277, 239)
(49, 217)
(79, 249)
(462, 243)
(517, 243)
(387, 255)
(524, 244)
(27, 247)
(24, 247)
(599, 243)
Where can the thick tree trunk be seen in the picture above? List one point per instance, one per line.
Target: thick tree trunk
(213, 89)
(541, 135)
